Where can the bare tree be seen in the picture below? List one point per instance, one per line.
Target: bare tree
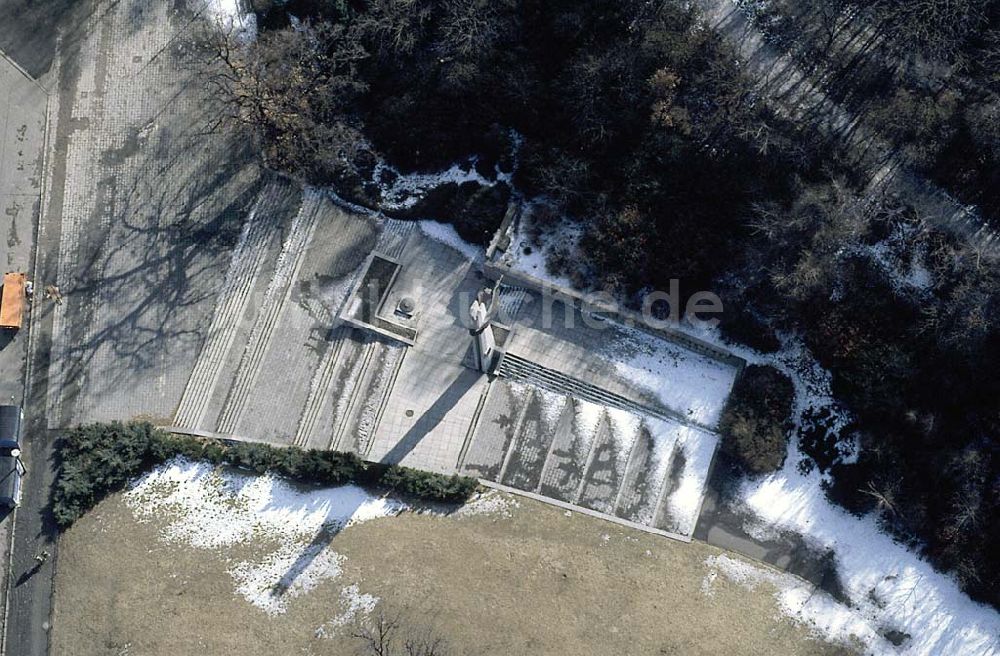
(294, 88)
(470, 27)
(385, 635)
(396, 27)
(936, 29)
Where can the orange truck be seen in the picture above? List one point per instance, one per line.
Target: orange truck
(13, 300)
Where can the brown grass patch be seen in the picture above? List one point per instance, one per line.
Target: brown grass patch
(537, 582)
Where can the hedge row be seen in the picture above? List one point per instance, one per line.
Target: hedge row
(98, 459)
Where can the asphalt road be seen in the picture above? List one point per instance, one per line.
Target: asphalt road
(28, 35)
(29, 599)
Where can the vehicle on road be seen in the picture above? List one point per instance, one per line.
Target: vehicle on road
(13, 300)
(11, 467)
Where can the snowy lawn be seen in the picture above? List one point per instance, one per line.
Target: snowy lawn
(276, 536)
(210, 508)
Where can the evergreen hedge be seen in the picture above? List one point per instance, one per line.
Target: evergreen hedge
(100, 458)
(757, 418)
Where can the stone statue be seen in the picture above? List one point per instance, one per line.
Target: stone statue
(481, 312)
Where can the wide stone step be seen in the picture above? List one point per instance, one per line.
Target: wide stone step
(261, 226)
(290, 260)
(517, 368)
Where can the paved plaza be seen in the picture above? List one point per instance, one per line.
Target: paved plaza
(204, 293)
(598, 416)
(146, 202)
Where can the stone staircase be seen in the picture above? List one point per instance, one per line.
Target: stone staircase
(261, 227)
(293, 253)
(519, 369)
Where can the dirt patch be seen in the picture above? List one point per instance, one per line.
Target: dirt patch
(525, 580)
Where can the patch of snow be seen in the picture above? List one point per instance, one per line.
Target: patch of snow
(345, 392)
(270, 582)
(381, 379)
(890, 587)
(625, 428)
(801, 602)
(520, 390)
(229, 16)
(901, 256)
(684, 503)
(552, 405)
(354, 604)
(446, 234)
(919, 275)
(492, 502)
(530, 247)
(665, 436)
(210, 508)
(588, 416)
(691, 384)
(406, 189)
(900, 277)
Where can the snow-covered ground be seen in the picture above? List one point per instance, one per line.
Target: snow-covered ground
(530, 246)
(491, 502)
(693, 385)
(215, 509)
(799, 601)
(274, 526)
(901, 256)
(889, 586)
(684, 503)
(446, 234)
(354, 604)
(405, 189)
(229, 16)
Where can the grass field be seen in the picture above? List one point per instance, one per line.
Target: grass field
(529, 579)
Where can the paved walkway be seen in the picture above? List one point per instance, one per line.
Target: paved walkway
(22, 136)
(149, 205)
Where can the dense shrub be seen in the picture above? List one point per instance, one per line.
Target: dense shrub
(426, 485)
(756, 421)
(98, 459)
